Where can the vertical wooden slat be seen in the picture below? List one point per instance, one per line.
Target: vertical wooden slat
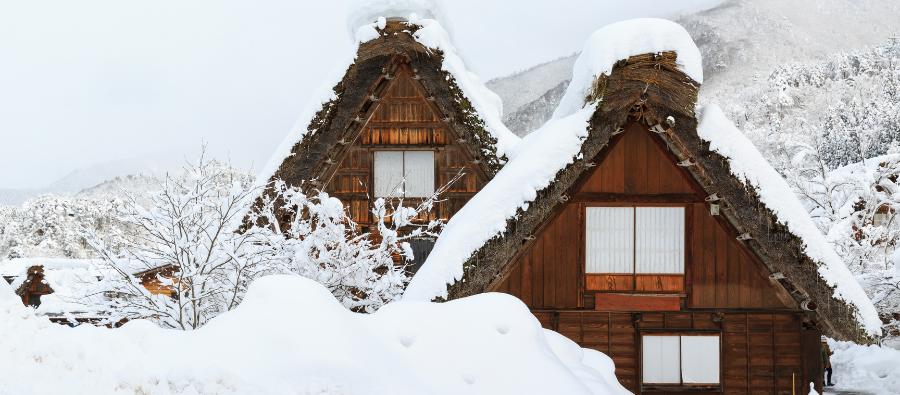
(581, 255)
(527, 280)
(538, 273)
(629, 170)
(722, 242)
(641, 168)
(549, 269)
(561, 261)
(654, 164)
(572, 253)
(734, 277)
(515, 282)
(618, 165)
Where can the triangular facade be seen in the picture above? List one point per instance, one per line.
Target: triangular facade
(395, 112)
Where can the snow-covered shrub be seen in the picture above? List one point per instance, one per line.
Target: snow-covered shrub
(322, 243)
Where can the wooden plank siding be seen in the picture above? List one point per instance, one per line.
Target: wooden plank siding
(761, 352)
(723, 289)
(404, 121)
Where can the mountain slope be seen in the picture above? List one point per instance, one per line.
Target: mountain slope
(741, 42)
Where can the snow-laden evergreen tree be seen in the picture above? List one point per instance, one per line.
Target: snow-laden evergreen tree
(857, 208)
(48, 226)
(829, 128)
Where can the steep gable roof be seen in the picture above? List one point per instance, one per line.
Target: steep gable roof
(478, 247)
(419, 57)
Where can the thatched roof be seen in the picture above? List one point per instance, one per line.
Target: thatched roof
(319, 146)
(649, 88)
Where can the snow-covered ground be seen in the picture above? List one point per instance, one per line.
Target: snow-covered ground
(290, 336)
(861, 368)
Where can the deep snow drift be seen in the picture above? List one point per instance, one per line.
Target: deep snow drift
(865, 368)
(290, 336)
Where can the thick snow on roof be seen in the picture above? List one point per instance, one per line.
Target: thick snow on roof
(68, 278)
(749, 166)
(622, 40)
(364, 12)
(290, 336)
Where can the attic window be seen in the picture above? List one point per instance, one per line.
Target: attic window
(404, 174)
(635, 240)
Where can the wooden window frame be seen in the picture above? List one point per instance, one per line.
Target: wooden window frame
(633, 289)
(404, 148)
(651, 387)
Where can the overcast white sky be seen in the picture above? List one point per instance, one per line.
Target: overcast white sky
(89, 82)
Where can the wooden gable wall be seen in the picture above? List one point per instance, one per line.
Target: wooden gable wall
(404, 121)
(723, 291)
(719, 271)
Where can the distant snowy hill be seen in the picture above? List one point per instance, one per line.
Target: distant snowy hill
(741, 42)
(91, 176)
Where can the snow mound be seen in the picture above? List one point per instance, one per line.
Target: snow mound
(622, 40)
(750, 167)
(290, 336)
(864, 368)
(364, 12)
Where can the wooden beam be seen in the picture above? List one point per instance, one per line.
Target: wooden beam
(406, 124)
(404, 147)
(599, 197)
(618, 302)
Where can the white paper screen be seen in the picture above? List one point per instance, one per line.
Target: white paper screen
(419, 170)
(388, 173)
(609, 239)
(700, 359)
(661, 360)
(659, 240)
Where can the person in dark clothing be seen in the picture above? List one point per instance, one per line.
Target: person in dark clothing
(826, 361)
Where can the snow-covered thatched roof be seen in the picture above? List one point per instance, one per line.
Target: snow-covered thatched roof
(387, 34)
(649, 70)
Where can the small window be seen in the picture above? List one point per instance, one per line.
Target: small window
(691, 360)
(34, 300)
(635, 240)
(404, 173)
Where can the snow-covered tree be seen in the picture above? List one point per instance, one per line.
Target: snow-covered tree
(186, 233)
(189, 235)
